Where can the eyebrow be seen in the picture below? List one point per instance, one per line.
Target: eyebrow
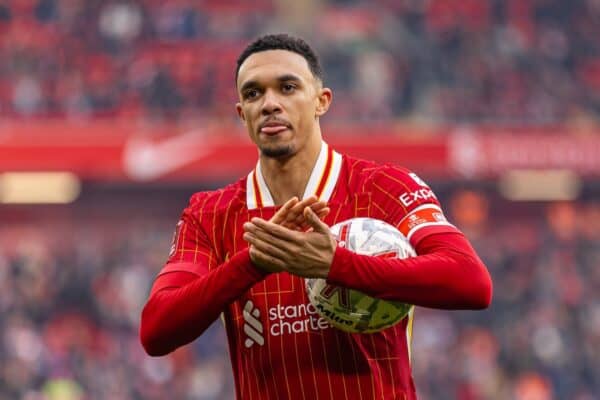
(282, 78)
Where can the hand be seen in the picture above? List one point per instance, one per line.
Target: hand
(276, 248)
(291, 216)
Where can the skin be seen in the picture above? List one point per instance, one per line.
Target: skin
(275, 248)
(277, 87)
(278, 91)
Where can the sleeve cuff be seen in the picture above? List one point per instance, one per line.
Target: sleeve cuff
(242, 261)
(342, 259)
(425, 231)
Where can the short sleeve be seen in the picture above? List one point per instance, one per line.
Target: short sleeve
(408, 203)
(191, 249)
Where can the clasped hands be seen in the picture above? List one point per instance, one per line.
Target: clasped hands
(293, 240)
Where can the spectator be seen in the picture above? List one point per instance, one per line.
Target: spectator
(69, 312)
(532, 62)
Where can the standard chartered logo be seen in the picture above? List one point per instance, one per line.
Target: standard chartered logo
(284, 320)
(295, 318)
(252, 326)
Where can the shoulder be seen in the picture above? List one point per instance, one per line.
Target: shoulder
(217, 201)
(391, 175)
(369, 174)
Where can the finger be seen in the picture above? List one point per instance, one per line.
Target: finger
(300, 219)
(302, 224)
(310, 199)
(273, 229)
(265, 246)
(324, 212)
(270, 236)
(293, 226)
(314, 221)
(294, 219)
(318, 206)
(281, 248)
(284, 210)
(297, 222)
(298, 208)
(266, 260)
(312, 202)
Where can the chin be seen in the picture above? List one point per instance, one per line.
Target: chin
(280, 151)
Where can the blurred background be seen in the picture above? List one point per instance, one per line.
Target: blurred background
(114, 112)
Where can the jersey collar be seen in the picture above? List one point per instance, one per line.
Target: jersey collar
(321, 183)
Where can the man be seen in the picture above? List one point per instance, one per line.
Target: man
(237, 252)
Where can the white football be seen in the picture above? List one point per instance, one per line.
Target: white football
(350, 310)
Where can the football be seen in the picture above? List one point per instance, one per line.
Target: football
(350, 310)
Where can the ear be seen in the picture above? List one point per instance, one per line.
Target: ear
(324, 100)
(240, 112)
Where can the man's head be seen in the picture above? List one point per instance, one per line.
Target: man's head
(281, 95)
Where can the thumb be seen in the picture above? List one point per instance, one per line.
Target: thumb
(314, 221)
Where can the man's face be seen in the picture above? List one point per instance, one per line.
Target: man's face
(280, 101)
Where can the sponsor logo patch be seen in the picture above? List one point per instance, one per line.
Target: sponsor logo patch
(295, 318)
(253, 328)
(418, 195)
(282, 320)
(427, 214)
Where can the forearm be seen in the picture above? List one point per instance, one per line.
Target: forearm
(446, 274)
(176, 314)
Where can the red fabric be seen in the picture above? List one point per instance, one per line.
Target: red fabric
(447, 274)
(195, 269)
(182, 305)
(280, 348)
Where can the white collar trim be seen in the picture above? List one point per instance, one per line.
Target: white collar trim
(321, 183)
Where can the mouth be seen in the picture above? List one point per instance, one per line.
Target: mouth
(273, 127)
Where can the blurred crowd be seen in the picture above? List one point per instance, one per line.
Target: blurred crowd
(71, 295)
(501, 61)
(71, 292)
(72, 287)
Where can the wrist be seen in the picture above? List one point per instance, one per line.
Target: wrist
(260, 267)
(339, 264)
(244, 260)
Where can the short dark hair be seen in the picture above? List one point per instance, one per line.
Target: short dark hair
(282, 41)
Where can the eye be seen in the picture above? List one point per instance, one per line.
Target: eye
(288, 87)
(251, 94)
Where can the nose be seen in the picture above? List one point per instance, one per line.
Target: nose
(271, 103)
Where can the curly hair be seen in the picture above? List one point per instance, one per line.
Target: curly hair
(282, 41)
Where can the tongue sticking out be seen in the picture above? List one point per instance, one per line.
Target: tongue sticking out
(273, 130)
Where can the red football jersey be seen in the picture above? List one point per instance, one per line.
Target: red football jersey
(280, 348)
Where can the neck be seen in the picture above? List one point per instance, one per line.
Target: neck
(289, 177)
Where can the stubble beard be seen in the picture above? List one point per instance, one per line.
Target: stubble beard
(277, 152)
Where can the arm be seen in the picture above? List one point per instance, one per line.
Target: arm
(187, 295)
(192, 290)
(446, 274)
(183, 304)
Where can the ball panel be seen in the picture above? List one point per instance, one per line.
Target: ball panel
(351, 310)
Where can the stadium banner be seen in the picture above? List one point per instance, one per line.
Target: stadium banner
(126, 151)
